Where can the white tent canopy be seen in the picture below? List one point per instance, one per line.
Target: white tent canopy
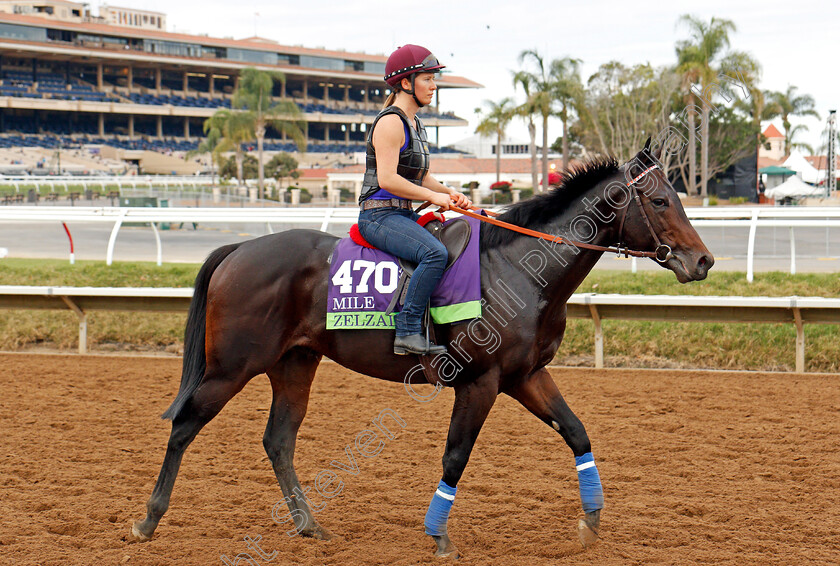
(798, 163)
(793, 187)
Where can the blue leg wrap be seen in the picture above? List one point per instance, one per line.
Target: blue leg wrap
(591, 492)
(438, 513)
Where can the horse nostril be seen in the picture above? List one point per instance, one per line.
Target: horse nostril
(705, 262)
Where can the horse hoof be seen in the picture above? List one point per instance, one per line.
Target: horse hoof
(588, 528)
(445, 548)
(135, 535)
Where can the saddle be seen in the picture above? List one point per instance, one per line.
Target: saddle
(454, 235)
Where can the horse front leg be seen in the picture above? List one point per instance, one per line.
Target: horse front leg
(539, 394)
(473, 402)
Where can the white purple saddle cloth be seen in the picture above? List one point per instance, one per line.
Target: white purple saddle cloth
(363, 281)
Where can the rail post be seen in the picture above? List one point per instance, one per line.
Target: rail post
(82, 323)
(751, 245)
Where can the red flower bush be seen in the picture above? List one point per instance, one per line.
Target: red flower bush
(503, 186)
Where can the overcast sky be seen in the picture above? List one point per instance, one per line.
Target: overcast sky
(481, 39)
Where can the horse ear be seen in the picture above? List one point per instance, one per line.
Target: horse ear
(657, 153)
(647, 145)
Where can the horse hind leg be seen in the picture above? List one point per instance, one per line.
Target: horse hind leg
(206, 402)
(291, 379)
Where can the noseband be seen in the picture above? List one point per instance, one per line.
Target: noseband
(662, 253)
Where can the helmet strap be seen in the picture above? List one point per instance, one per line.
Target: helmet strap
(411, 92)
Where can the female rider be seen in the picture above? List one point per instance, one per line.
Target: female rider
(397, 173)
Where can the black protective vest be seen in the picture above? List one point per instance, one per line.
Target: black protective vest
(414, 159)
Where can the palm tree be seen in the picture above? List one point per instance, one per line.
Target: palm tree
(495, 121)
(254, 96)
(526, 111)
(212, 138)
(696, 59)
(235, 129)
(541, 100)
(792, 105)
(567, 90)
(791, 136)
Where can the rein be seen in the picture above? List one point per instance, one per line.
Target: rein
(661, 254)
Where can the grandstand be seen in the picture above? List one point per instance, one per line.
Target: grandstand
(69, 80)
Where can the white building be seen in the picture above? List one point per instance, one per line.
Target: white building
(129, 17)
(484, 147)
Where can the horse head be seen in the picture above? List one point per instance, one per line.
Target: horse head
(653, 219)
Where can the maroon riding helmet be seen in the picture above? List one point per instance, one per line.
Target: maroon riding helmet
(407, 61)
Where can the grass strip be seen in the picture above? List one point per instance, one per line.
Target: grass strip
(627, 343)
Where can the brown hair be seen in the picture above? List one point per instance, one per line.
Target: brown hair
(391, 98)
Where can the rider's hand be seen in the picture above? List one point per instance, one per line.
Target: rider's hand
(440, 199)
(460, 200)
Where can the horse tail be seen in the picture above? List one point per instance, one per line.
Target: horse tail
(195, 362)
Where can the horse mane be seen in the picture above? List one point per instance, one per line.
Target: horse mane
(538, 211)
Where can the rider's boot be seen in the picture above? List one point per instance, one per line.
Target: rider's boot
(416, 344)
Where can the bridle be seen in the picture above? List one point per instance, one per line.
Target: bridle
(662, 253)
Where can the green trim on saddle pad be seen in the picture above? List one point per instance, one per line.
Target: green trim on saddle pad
(367, 320)
(457, 312)
(360, 320)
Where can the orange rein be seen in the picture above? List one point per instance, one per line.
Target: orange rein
(491, 219)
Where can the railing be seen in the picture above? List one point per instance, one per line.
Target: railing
(770, 217)
(681, 308)
(132, 182)
(727, 217)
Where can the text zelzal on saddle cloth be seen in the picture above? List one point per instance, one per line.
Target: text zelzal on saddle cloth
(363, 281)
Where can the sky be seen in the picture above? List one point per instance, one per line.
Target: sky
(481, 40)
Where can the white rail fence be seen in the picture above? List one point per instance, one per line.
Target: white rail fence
(726, 217)
(780, 310)
(64, 182)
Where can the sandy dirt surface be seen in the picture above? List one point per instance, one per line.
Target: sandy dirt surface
(698, 467)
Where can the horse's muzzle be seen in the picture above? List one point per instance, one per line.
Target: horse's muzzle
(690, 267)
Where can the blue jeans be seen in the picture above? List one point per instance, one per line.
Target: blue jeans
(395, 230)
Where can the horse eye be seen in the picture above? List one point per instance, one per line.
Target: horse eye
(659, 202)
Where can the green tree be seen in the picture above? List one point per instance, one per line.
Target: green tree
(540, 99)
(254, 97)
(790, 104)
(211, 141)
(699, 60)
(527, 110)
(235, 129)
(622, 106)
(247, 168)
(791, 137)
(567, 92)
(495, 121)
(280, 166)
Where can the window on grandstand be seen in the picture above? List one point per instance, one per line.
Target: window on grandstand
(251, 56)
(215, 52)
(12, 31)
(171, 48)
(100, 39)
(288, 59)
(321, 63)
(375, 68)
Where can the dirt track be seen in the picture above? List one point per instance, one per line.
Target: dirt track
(698, 467)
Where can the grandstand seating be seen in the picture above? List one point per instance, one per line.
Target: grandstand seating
(182, 101)
(51, 141)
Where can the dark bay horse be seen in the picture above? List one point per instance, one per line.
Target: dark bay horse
(259, 307)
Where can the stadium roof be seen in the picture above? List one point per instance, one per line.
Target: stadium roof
(252, 43)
